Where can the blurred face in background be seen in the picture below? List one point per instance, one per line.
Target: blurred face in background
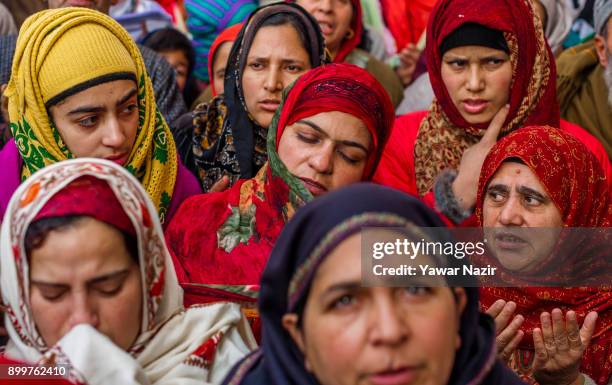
(277, 57)
(179, 61)
(219, 66)
(334, 18)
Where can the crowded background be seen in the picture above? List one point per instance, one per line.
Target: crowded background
(184, 185)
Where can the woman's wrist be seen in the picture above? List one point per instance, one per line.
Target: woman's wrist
(446, 199)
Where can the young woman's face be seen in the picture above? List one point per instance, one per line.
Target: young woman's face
(514, 201)
(354, 335)
(219, 66)
(99, 122)
(334, 18)
(478, 81)
(84, 274)
(326, 151)
(180, 63)
(277, 57)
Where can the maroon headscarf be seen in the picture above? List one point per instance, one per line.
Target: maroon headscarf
(444, 134)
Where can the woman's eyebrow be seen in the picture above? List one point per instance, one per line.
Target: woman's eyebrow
(108, 277)
(127, 96)
(524, 190)
(322, 132)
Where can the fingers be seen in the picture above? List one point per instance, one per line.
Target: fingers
(221, 185)
(502, 312)
(559, 332)
(511, 346)
(492, 133)
(573, 332)
(547, 333)
(495, 309)
(541, 354)
(588, 328)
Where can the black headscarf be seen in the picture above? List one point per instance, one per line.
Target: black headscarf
(279, 361)
(243, 127)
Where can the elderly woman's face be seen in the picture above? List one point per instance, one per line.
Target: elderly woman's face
(334, 18)
(326, 151)
(277, 57)
(100, 121)
(478, 81)
(514, 201)
(84, 274)
(375, 335)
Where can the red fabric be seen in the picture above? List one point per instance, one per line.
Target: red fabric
(396, 167)
(88, 196)
(577, 185)
(228, 35)
(406, 19)
(357, 26)
(321, 93)
(510, 16)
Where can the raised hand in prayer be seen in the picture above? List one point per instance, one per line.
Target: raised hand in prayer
(559, 346)
(409, 57)
(465, 186)
(506, 330)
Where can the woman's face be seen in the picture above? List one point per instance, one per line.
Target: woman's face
(180, 63)
(326, 151)
(334, 18)
(219, 65)
(478, 81)
(99, 122)
(84, 274)
(277, 57)
(375, 335)
(515, 200)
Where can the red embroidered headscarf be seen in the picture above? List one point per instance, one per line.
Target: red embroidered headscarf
(228, 35)
(345, 88)
(444, 134)
(88, 196)
(576, 183)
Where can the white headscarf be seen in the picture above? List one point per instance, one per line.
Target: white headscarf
(175, 346)
(560, 17)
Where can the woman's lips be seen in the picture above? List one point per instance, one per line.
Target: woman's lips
(120, 159)
(269, 105)
(509, 242)
(326, 28)
(315, 188)
(474, 106)
(401, 376)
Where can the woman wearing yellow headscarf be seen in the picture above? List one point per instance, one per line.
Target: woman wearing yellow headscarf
(79, 88)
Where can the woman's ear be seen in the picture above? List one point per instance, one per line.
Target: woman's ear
(290, 323)
(461, 300)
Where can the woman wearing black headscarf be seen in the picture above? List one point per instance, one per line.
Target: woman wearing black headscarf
(227, 136)
(320, 326)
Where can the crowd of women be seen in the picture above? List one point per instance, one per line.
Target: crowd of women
(224, 244)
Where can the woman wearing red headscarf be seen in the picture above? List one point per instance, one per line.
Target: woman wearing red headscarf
(342, 25)
(542, 177)
(485, 60)
(328, 132)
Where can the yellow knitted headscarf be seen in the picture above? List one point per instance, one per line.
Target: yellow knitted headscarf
(62, 51)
